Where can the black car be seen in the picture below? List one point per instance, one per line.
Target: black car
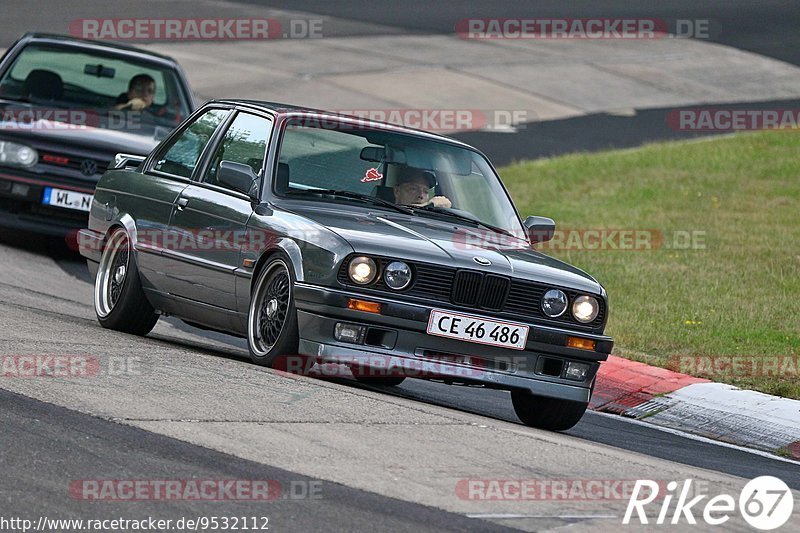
(65, 114)
(329, 239)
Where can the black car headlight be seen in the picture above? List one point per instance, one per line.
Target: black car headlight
(585, 308)
(362, 270)
(397, 275)
(18, 155)
(554, 303)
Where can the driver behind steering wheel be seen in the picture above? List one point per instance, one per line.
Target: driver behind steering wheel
(413, 186)
(141, 90)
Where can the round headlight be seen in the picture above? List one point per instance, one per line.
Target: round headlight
(362, 270)
(17, 154)
(554, 303)
(585, 308)
(397, 275)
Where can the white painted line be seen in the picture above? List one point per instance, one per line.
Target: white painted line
(706, 440)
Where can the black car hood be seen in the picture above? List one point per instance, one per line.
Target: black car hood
(87, 137)
(445, 242)
(44, 132)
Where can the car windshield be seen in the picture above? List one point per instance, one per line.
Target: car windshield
(94, 86)
(434, 178)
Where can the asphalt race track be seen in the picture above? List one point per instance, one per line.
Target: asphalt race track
(184, 404)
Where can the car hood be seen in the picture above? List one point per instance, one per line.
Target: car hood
(53, 134)
(43, 132)
(445, 242)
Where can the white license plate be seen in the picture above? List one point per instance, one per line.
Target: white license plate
(67, 199)
(476, 329)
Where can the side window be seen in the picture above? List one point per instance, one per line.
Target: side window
(245, 142)
(181, 157)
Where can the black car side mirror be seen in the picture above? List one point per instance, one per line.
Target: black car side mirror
(540, 229)
(238, 177)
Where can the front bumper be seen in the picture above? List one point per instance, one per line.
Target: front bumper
(397, 344)
(21, 205)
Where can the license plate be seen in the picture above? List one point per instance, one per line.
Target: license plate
(476, 329)
(67, 199)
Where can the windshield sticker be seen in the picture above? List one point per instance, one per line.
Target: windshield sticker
(372, 175)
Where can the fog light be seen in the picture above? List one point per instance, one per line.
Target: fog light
(576, 371)
(20, 189)
(352, 333)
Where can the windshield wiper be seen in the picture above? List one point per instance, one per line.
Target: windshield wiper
(352, 195)
(474, 220)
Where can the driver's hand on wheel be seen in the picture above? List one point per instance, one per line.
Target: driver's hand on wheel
(439, 201)
(137, 104)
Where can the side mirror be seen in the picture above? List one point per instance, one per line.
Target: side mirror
(540, 229)
(238, 177)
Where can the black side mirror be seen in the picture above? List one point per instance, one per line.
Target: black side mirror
(540, 229)
(238, 177)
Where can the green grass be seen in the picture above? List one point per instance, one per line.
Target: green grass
(736, 294)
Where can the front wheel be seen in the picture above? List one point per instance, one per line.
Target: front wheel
(272, 334)
(547, 413)
(119, 301)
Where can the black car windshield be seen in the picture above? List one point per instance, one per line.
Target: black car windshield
(46, 79)
(432, 177)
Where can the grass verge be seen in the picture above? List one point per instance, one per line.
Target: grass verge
(717, 294)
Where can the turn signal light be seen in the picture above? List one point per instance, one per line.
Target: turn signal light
(363, 305)
(582, 344)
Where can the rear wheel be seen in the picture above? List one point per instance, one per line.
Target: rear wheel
(119, 301)
(547, 413)
(272, 334)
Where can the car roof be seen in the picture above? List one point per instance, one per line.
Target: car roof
(287, 110)
(68, 40)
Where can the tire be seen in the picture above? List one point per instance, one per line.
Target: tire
(119, 301)
(391, 381)
(272, 334)
(547, 413)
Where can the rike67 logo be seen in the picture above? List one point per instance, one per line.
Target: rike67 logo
(766, 503)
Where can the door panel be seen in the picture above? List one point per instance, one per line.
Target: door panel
(211, 218)
(207, 234)
(155, 198)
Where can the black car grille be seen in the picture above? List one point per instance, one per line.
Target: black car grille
(74, 162)
(477, 290)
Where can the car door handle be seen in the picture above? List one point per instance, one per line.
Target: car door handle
(182, 203)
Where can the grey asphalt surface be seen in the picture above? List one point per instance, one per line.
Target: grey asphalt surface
(46, 448)
(767, 27)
